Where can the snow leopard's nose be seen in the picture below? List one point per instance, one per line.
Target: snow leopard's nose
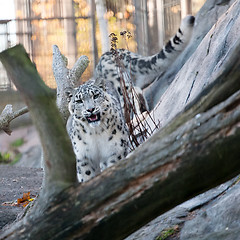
(91, 110)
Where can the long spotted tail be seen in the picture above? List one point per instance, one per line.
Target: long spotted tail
(152, 66)
(143, 70)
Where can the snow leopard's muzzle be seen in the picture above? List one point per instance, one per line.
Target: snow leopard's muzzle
(93, 116)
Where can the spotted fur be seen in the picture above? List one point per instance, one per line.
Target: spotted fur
(96, 127)
(142, 71)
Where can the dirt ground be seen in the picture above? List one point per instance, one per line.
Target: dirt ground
(14, 181)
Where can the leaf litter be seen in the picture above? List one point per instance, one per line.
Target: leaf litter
(21, 202)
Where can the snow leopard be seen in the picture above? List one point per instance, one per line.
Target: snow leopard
(140, 71)
(96, 127)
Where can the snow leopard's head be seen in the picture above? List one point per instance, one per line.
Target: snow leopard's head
(89, 102)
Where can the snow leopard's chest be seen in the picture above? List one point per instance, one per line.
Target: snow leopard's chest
(98, 148)
(100, 143)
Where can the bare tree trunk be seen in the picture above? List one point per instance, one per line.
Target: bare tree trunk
(213, 9)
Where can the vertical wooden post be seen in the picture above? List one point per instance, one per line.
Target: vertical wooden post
(186, 7)
(70, 30)
(103, 25)
(94, 41)
(141, 22)
(153, 46)
(161, 28)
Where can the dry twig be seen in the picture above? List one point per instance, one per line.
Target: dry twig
(139, 127)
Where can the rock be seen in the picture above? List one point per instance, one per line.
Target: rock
(202, 67)
(227, 234)
(213, 9)
(218, 219)
(183, 216)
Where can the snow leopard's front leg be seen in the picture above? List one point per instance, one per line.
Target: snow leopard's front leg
(120, 153)
(86, 169)
(109, 162)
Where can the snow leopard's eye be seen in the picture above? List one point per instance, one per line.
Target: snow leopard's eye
(79, 101)
(95, 96)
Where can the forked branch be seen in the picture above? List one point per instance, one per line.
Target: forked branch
(66, 78)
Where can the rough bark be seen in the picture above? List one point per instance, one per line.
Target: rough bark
(167, 170)
(57, 149)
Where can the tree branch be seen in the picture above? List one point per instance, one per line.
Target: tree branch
(8, 115)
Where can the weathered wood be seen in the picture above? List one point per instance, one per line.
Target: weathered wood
(223, 86)
(59, 157)
(103, 25)
(165, 171)
(203, 66)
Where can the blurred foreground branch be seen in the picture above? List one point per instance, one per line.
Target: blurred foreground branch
(57, 150)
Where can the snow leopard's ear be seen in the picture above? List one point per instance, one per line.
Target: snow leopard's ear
(100, 83)
(69, 93)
